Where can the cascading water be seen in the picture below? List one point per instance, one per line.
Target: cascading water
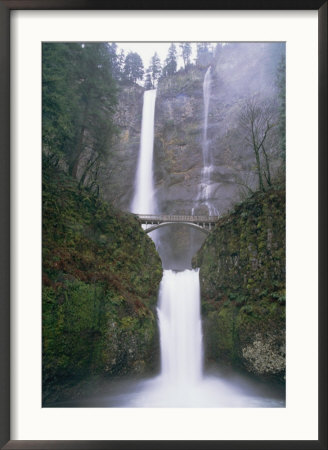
(178, 311)
(143, 200)
(206, 96)
(180, 327)
(205, 190)
(181, 382)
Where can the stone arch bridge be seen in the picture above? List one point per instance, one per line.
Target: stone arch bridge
(201, 223)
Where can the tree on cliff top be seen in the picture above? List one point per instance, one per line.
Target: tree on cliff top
(148, 80)
(133, 67)
(156, 68)
(170, 62)
(186, 51)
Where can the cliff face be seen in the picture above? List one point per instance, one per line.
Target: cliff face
(117, 178)
(101, 275)
(238, 72)
(242, 276)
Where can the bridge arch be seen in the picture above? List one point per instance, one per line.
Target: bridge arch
(200, 223)
(165, 224)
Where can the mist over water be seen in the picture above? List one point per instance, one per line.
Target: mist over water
(181, 382)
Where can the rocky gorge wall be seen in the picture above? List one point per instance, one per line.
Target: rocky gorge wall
(242, 277)
(101, 275)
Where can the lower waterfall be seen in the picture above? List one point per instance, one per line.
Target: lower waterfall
(181, 382)
(180, 327)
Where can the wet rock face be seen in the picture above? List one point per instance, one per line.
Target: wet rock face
(240, 70)
(117, 177)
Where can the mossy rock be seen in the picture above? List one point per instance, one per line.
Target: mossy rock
(101, 275)
(242, 277)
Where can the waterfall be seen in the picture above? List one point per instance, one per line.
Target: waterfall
(205, 191)
(181, 381)
(180, 327)
(143, 200)
(179, 295)
(206, 97)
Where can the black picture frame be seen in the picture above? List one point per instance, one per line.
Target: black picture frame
(6, 6)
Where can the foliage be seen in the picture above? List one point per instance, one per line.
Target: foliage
(78, 104)
(100, 279)
(257, 122)
(155, 68)
(170, 66)
(186, 51)
(281, 85)
(133, 67)
(242, 273)
(117, 60)
(148, 81)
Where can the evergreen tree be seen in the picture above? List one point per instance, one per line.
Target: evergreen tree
(79, 98)
(171, 61)
(120, 63)
(97, 99)
(133, 67)
(156, 68)
(148, 80)
(117, 60)
(60, 97)
(186, 51)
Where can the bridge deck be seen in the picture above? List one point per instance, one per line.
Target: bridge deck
(145, 218)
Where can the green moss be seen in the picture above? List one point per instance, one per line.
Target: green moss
(101, 274)
(242, 273)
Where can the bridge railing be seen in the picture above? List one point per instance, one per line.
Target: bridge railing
(176, 218)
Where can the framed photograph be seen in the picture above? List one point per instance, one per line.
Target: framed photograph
(163, 225)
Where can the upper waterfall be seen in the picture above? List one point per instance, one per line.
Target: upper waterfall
(143, 200)
(206, 96)
(205, 190)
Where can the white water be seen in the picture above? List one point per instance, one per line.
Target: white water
(143, 200)
(180, 327)
(206, 97)
(181, 381)
(205, 189)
